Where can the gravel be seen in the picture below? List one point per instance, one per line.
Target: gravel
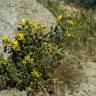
(88, 86)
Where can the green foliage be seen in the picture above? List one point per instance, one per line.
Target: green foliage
(38, 60)
(33, 55)
(78, 26)
(78, 44)
(87, 4)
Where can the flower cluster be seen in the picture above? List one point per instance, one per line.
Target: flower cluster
(32, 53)
(19, 36)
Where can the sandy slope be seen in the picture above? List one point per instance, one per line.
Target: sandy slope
(88, 87)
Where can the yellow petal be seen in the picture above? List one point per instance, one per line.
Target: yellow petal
(5, 38)
(15, 42)
(60, 18)
(24, 20)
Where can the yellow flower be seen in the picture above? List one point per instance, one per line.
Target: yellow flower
(70, 22)
(30, 23)
(19, 36)
(68, 34)
(38, 26)
(5, 38)
(15, 48)
(27, 57)
(55, 80)
(60, 18)
(15, 43)
(35, 26)
(50, 46)
(24, 62)
(24, 20)
(29, 88)
(45, 26)
(35, 73)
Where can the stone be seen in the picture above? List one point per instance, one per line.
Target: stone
(13, 10)
(13, 92)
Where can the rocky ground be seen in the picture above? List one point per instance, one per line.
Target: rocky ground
(13, 92)
(88, 86)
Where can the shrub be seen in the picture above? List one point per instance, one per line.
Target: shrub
(33, 56)
(2, 72)
(39, 57)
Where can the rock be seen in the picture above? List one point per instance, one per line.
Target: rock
(13, 92)
(13, 10)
